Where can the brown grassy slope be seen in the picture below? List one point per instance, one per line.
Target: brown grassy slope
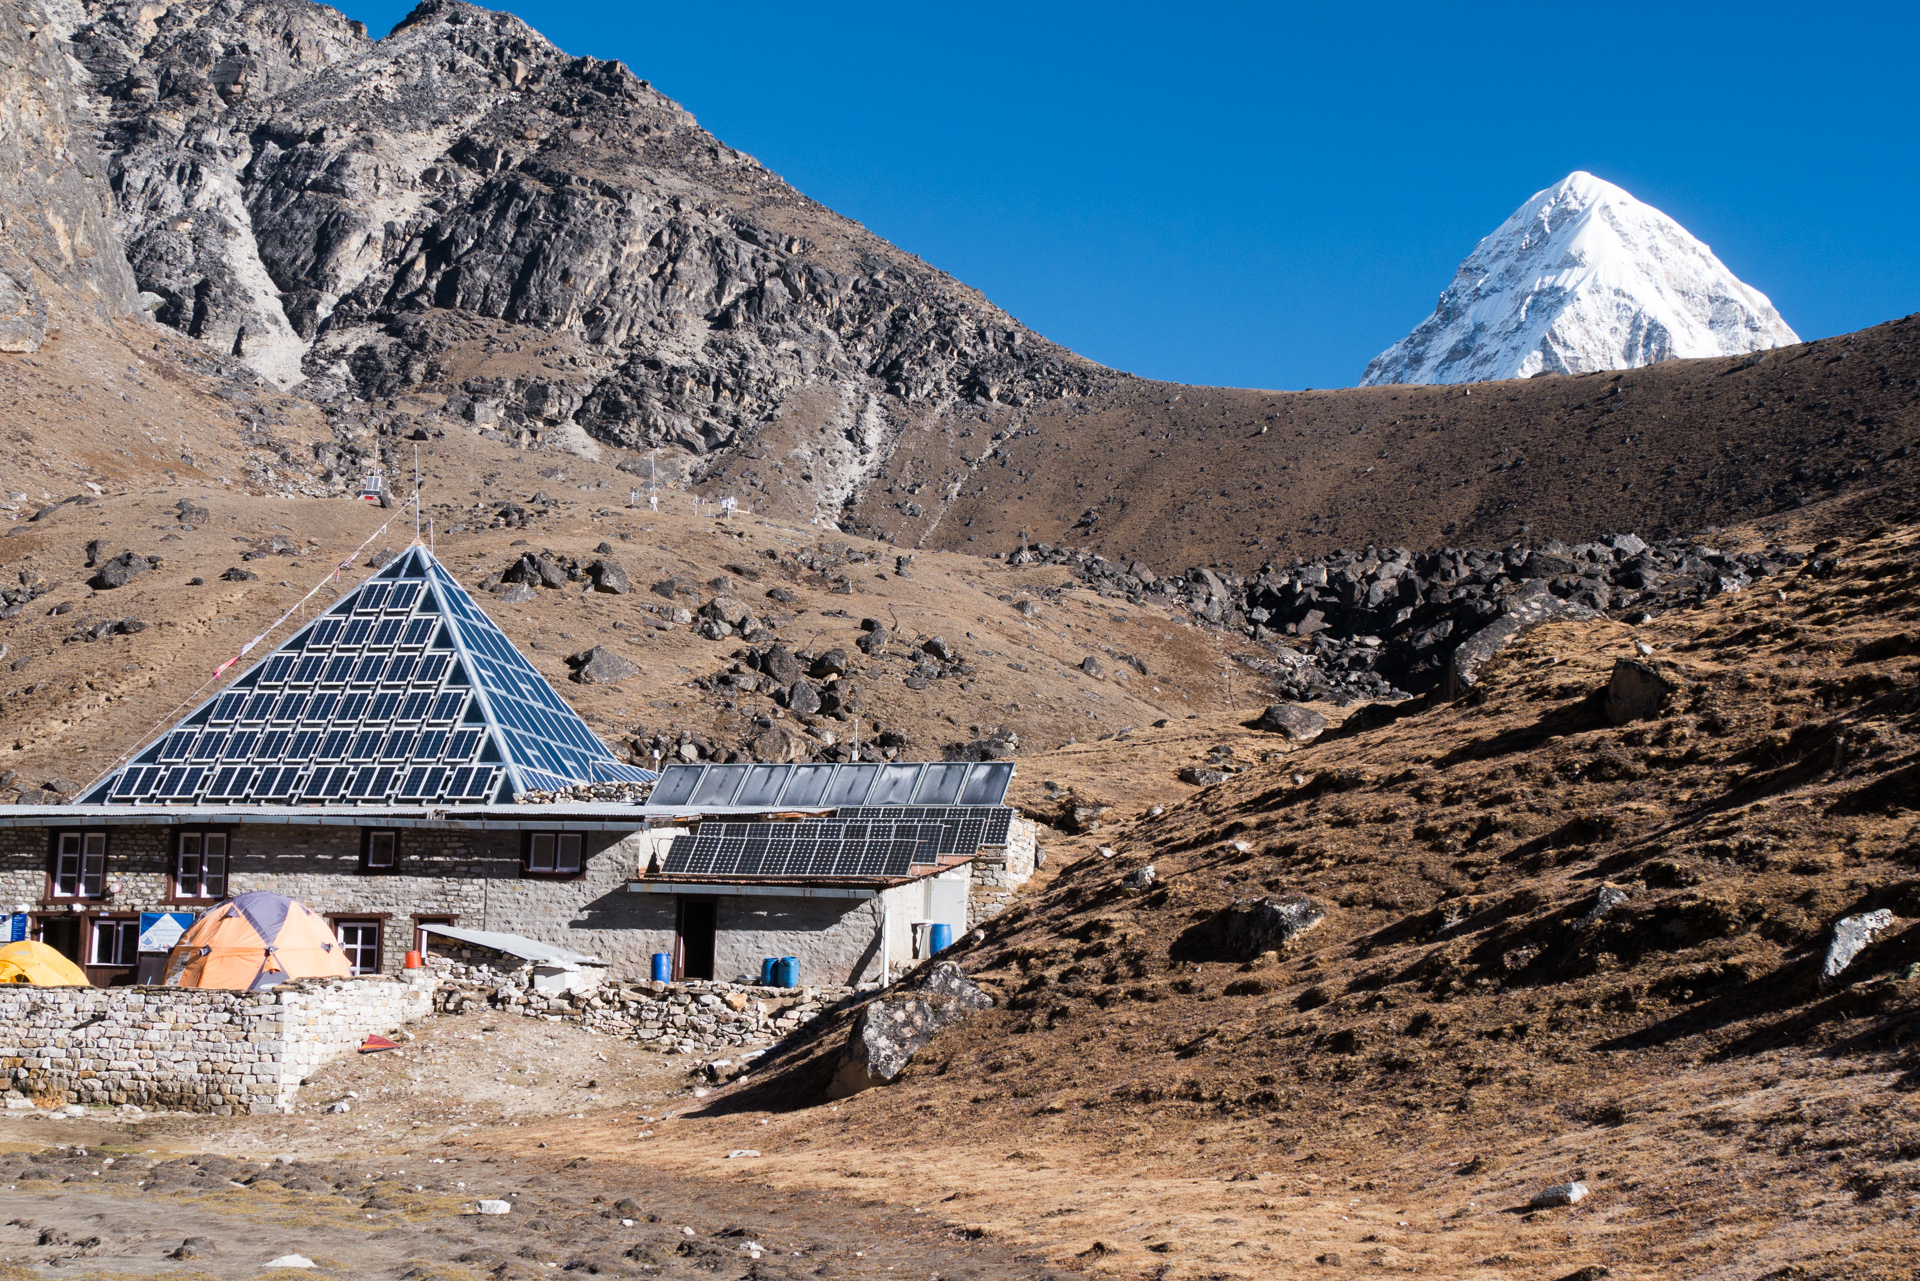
(1449, 1040)
(1189, 475)
(68, 706)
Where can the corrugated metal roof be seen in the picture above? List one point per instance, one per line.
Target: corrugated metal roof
(514, 945)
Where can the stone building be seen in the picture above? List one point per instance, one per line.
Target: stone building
(393, 765)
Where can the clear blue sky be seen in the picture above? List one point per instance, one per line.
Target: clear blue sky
(1266, 196)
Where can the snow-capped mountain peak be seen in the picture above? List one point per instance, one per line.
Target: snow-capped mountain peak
(1581, 277)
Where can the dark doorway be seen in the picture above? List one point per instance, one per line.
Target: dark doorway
(698, 921)
(63, 936)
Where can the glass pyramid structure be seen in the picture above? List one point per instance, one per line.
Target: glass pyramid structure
(402, 693)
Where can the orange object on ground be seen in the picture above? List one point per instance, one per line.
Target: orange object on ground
(374, 1044)
(254, 941)
(36, 963)
(413, 960)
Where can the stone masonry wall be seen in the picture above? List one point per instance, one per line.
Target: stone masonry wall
(189, 1049)
(999, 874)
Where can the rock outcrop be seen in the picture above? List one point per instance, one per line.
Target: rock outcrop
(56, 211)
(411, 214)
(894, 1027)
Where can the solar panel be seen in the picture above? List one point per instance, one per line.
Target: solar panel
(679, 855)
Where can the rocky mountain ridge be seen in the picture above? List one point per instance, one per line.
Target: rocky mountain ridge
(1582, 277)
(540, 245)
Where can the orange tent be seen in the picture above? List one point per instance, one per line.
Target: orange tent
(36, 963)
(254, 941)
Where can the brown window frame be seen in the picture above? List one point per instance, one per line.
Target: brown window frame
(203, 834)
(530, 840)
(55, 853)
(367, 866)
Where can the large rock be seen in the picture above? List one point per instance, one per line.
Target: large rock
(1298, 724)
(118, 572)
(1637, 691)
(609, 577)
(1524, 610)
(1253, 926)
(1851, 935)
(601, 666)
(780, 664)
(894, 1027)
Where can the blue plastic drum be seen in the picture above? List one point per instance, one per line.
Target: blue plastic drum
(769, 971)
(662, 967)
(942, 938)
(789, 971)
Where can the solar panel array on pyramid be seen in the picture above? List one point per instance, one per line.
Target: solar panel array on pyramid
(403, 692)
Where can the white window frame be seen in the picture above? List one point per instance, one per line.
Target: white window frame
(200, 848)
(80, 865)
(556, 853)
(377, 838)
(353, 950)
(123, 931)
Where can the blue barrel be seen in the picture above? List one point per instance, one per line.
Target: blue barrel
(769, 971)
(941, 939)
(789, 971)
(662, 968)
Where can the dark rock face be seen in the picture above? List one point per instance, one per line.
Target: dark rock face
(601, 666)
(367, 215)
(893, 1028)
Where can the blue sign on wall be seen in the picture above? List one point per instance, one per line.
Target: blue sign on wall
(17, 927)
(159, 931)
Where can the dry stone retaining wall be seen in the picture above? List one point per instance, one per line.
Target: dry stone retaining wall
(189, 1049)
(677, 1018)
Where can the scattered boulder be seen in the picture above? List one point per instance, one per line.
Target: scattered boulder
(194, 1248)
(191, 516)
(1609, 897)
(895, 1026)
(118, 572)
(517, 593)
(601, 666)
(1140, 878)
(832, 663)
(382, 558)
(1559, 1194)
(1300, 725)
(1200, 776)
(239, 575)
(1091, 666)
(1253, 926)
(609, 577)
(1637, 691)
(1851, 935)
(873, 642)
(780, 665)
(801, 698)
(936, 648)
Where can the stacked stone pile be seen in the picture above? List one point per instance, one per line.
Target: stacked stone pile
(693, 1017)
(1385, 622)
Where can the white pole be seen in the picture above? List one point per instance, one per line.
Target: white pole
(416, 493)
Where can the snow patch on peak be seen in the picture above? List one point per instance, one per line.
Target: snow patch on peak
(1581, 277)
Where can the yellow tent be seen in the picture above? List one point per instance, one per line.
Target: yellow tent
(36, 963)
